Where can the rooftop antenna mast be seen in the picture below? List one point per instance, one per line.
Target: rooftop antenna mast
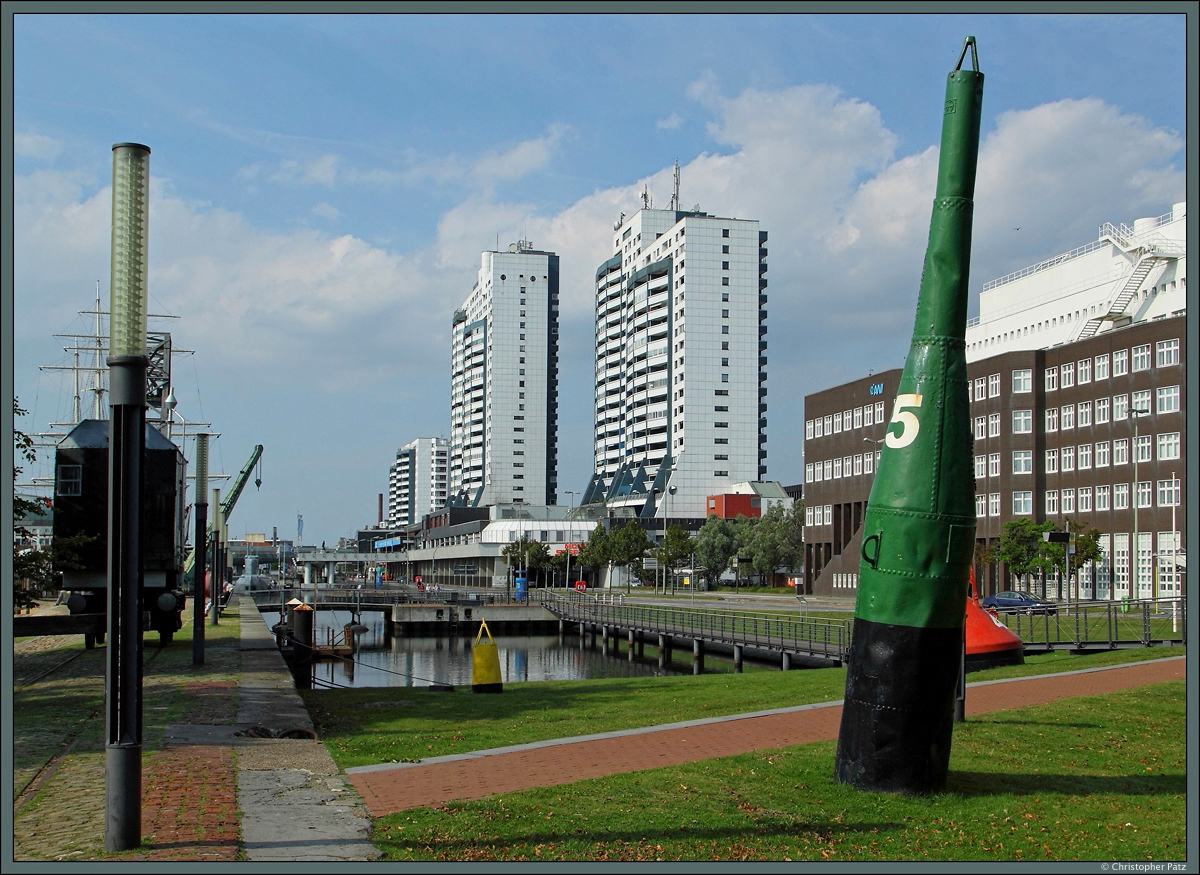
(675, 194)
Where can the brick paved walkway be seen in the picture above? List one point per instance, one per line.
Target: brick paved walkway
(395, 787)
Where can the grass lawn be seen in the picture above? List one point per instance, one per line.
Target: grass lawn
(1098, 778)
(403, 724)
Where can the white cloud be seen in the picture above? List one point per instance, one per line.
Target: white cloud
(521, 160)
(36, 146)
(298, 321)
(321, 170)
(670, 123)
(326, 211)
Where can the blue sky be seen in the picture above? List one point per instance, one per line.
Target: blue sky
(322, 186)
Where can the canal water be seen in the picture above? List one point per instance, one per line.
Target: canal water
(407, 661)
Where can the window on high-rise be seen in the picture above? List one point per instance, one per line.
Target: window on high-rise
(1168, 399)
(1120, 407)
(1102, 367)
(1141, 357)
(1144, 493)
(1051, 501)
(1168, 445)
(1022, 503)
(1022, 380)
(1120, 496)
(1167, 352)
(1143, 449)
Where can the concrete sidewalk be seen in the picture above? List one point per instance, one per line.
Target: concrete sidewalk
(294, 801)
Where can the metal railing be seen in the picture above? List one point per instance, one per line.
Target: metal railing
(827, 639)
(1103, 625)
(376, 598)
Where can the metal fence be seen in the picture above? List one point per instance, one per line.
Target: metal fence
(827, 639)
(373, 599)
(1099, 625)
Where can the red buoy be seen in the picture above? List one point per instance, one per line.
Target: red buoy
(989, 642)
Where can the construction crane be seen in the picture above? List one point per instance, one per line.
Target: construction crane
(227, 506)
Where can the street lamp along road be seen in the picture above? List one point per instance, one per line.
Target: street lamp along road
(1135, 578)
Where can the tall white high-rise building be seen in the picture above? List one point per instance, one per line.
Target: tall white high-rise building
(417, 481)
(680, 397)
(504, 382)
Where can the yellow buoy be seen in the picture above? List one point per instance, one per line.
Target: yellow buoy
(485, 659)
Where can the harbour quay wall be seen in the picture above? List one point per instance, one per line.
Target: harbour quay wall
(466, 619)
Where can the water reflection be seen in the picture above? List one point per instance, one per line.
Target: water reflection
(407, 661)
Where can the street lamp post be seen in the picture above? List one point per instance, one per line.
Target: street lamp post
(200, 563)
(127, 366)
(671, 490)
(1134, 579)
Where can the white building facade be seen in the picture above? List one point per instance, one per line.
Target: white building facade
(1128, 274)
(503, 446)
(417, 481)
(680, 392)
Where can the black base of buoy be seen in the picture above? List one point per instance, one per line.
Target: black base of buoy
(898, 714)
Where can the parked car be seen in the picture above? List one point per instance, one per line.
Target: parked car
(1010, 602)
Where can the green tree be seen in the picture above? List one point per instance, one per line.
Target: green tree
(1087, 549)
(715, 546)
(676, 549)
(627, 545)
(743, 535)
(771, 543)
(527, 554)
(33, 567)
(1022, 548)
(594, 554)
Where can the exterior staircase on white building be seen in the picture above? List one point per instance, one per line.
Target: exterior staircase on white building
(1146, 252)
